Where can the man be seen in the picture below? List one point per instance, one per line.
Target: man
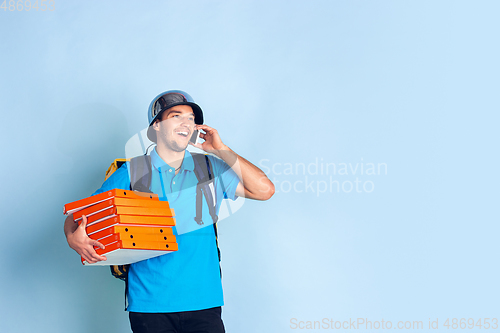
(180, 291)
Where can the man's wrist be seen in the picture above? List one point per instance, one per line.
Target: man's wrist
(222, 151)
(228, 156)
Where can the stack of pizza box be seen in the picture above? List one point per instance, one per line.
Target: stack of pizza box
(132, 226)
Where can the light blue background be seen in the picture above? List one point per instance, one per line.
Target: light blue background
(412, 84)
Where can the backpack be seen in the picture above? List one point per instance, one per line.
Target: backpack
(140, 180)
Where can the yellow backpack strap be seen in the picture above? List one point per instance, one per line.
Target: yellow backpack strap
(115, 166)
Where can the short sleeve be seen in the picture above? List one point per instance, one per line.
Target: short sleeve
(225, 177)
(119, 179)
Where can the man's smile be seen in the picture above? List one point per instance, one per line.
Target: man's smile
(182, 132)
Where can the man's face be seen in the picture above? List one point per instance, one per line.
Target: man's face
(175, 127)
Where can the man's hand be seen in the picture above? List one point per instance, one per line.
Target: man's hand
(254, 184)
(212, 143)
(79, 241)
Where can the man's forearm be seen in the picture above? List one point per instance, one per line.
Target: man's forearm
(255, 182)
(69, 225)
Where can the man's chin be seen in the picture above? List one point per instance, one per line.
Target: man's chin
(174, 145)
(177, 147)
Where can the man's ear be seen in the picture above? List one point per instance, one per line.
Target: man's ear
(156, 125)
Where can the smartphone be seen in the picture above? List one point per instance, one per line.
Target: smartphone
(195, 137)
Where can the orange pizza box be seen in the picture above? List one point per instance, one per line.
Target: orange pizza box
(137, 237)
(127, 252)
(134, 202)
(125, 210)
(131, 220)
(93, 210)
(92, 200)
(152, 207)
(94, 218)
(131, 230)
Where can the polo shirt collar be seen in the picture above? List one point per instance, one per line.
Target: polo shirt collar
(159, 163)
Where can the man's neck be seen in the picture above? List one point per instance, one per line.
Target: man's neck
(171, 157)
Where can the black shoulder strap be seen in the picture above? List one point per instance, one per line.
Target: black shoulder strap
(140, 173)
(204, 174)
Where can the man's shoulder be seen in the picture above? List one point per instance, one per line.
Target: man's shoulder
(118, 179)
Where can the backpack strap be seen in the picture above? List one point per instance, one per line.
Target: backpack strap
(140, 173)
(204, 173)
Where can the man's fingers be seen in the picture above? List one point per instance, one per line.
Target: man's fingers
(88, 258)
(197, 145)
(92, 257)
(203, 126)
(83, 224)
(206, 128)
(97, 244)
(87, 250)
(97, 257)
(94, 254)
(90, 261)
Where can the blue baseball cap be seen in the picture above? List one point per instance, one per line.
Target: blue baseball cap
(165, 101)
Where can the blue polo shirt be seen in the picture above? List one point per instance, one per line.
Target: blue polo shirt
(188, 279)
